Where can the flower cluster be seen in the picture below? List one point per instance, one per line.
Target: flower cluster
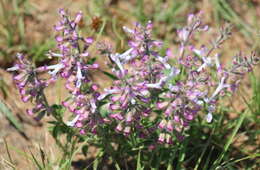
(74, 66)
(72, 54)
(30, 85)
(152, 95)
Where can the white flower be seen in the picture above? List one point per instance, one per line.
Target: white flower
(164, 79)
(55, 69)
(107, 92)
(209, 117)
(128, 30)
(115, 58)
(125, 57)
(133, 101)
(155, 85)
(51, 54)
(217, 61)
(14, 68)
(184, 34)
(202, 52)
(164, 60)
(93, 106)
(79, 77)
(206, 62)
(220, 87)
(73, 121)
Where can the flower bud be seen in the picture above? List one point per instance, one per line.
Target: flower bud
(161, 138)
(162, 124)
(78, 17)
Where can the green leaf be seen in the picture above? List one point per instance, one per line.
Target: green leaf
(55, 131)
(85, 150)
(167, 72)
(91, 60)
(10, 116)
(113, 77)
(139, 166)
(104, 111)
(58, 111)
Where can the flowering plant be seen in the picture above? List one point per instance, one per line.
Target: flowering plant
(153, 99)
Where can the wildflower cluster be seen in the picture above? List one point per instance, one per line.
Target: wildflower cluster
(152, 95)
(31, 86)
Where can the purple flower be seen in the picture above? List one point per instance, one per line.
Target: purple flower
(30, 86)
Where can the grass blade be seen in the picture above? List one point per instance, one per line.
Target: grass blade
(8, 152)
(230, 140)
(139, 166)
(35, 161)
(113, 77)
(182, 154)
(204, 149)
(10, 116)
